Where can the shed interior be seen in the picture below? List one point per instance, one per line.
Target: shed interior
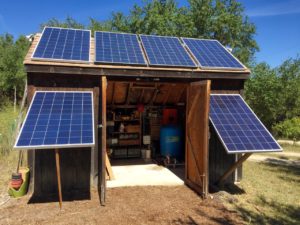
(146, 123)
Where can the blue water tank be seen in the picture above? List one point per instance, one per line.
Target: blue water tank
(171, 141)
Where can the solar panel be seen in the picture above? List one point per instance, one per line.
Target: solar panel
(211, 54)
(58, 119)
(166, 51)
(238, 127)
(61, 44)
(118, 48)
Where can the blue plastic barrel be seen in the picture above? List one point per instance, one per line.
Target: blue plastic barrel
(171, 141)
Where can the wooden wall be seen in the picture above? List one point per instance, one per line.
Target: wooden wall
(79, 167)
(219, 160)
(75, 172)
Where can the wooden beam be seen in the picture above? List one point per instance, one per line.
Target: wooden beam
(128, 93)
(113, 93)
(155, 92)
(134, 73)
(181, 93)
(233, 167)
(167, 96)
(141, 96)
(58, 177)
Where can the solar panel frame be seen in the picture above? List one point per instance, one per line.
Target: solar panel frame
(120, 63)
(244, 150)
(243, 67)
(168, 65)
(62, 60)
(54, 146)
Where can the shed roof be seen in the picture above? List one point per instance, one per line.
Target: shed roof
(124, 70)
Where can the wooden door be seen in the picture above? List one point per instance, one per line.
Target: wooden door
(197, 132)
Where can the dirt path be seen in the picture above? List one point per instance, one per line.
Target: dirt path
(133, 205)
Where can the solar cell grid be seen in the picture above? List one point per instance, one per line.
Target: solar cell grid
(61, 44)
(238, 127)
(166, 51)
(212, 54)
(58, 119)
(119, 48)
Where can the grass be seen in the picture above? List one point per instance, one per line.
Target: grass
(8, 157)
(271, 193)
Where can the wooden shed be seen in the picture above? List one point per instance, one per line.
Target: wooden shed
(123, 92)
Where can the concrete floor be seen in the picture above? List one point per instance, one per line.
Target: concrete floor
(143, 175)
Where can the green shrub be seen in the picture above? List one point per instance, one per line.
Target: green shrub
(288, 129)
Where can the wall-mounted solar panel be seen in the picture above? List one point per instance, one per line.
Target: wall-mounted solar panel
(61, 44)
(118, 48)
(58, 120)
(212, 54)
(166, 51)
(238, 128)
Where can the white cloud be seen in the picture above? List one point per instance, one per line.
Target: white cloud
(276, 9)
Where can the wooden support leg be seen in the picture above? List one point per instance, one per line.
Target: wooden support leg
(58, 177)
(233, 167)
(109, 169)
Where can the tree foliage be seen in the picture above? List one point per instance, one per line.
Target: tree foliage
(68, 23)
(289, 128)
(12, 73)
(218, 19)
(274, 94)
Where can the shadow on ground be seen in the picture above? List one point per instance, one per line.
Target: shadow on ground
(284, 213)
(67, 197)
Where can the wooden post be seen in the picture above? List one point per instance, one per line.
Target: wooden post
(58, 177)
(233, 167)
(102, 171)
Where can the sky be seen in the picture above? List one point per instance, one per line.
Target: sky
(277, 21)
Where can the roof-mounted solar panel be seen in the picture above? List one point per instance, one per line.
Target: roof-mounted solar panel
(118, 48)
(238, 128)
(166, 51)
(62, 44)
(212, 54)
(58, 120)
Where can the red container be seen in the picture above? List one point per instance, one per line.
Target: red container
(16, 183)
(169, 116)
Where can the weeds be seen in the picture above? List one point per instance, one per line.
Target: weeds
(7, 129)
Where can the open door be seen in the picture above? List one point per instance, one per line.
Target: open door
(197, 133)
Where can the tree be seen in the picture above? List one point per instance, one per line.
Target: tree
(274, 94)
(68, 23)
(217, 19)
(223, 20)
(289, 73)
(262, 93)
(12, 73)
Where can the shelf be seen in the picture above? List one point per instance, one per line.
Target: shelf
(137, 132)
(133, 120)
